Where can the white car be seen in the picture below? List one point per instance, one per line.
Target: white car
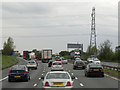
(57, 79)
(57, 65)
(64, 61)
(32, 64)
(77, 59)
(96, 61)
(90, 60)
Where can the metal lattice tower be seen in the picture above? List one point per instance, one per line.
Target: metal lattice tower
(93, 31)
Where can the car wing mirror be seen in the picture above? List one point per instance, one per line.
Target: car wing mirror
(73, 77)
(42, 78)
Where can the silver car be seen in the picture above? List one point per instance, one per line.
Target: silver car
(57, 65)
(57, 79)
(64, 61)
(32, 64)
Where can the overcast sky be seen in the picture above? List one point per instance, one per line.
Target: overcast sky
(38, 25)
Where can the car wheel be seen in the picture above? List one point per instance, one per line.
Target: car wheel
(26, 79)
(9, 80)
(87, 75)
(102, 75)
(29, 77)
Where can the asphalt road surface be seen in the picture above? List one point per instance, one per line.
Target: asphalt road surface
(79, 82)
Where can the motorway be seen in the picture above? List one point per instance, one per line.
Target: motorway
(79, 82)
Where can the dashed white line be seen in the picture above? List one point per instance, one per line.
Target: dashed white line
(3, 78)
(111, 77)
(81, 85)
(72, 74)
(42, 74)
(43, 71)
(76, 78)
(35, 85)
(39, 78)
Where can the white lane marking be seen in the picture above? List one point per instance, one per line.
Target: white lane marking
(39, 78)
(72, 74)
(69, 71)
(43, 71)
(76, 78)
(81, 84)
(35, 85)
(112, 77)
(3, 78)
(42, 74)
(70, 64)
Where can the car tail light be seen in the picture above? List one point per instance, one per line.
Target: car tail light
(46, 84)
(25, 71)
(101, 69)
(35, 62)
(68, 84)
(10, 72)
(90, 69)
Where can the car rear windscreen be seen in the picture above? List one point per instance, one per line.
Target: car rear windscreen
(18, 68)
(56, 63)
(57, 76)
(95, 66)
(31, 62)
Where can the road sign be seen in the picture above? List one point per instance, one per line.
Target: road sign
(74, 45)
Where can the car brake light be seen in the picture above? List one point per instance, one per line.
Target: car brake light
(9, 71)
(25, 72)
(90, 69)
(46, 84)
(35, 63)
(68, 84)
(101, 69)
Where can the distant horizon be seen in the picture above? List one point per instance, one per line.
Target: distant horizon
(52, 25)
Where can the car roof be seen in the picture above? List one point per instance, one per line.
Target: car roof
(78, 61)
(93, 64)
(15, 66)
(57, 61)
(58, 72)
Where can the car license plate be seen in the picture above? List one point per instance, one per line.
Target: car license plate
(79, 66)
(57, 83)
(96, 69)
(17, 76)
(57, 66)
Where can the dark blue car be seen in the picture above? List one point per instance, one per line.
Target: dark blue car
(18, 72)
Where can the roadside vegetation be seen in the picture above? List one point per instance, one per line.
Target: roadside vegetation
(8, 61)
(6, 58)
(104, 52)
(112, 73)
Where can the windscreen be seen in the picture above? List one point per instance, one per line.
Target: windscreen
(57, 63)
(79, 63)
(95, 66)
(18, 68)
(57, 76)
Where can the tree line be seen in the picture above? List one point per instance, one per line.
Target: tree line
(104, 52)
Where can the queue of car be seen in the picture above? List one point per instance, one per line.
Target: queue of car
(57, 77)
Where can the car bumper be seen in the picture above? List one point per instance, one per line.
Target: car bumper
(59, 87)
(95, 73)
(82, 67)
(14, 78)
(31, 66)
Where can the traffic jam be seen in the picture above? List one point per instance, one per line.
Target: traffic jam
(57, 76)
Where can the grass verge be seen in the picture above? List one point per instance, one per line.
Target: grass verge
(114, 61)
(8, 61)
(112, 73)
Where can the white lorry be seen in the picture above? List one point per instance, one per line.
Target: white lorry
(46, 55)
(31, 55)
